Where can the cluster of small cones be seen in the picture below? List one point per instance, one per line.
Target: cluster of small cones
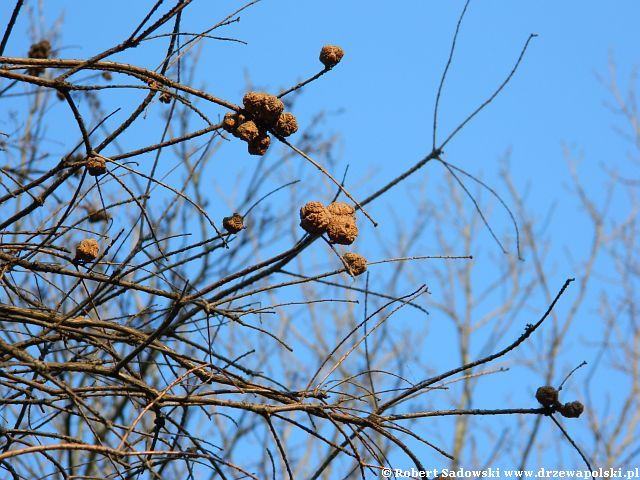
(337, 220)
(262, 112)
(548, 398)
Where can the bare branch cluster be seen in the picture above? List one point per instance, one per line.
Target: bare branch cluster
(141, 335)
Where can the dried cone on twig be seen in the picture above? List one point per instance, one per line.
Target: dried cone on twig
(286, 124)
(96, 165)
(87, 250)
(330, 55)
(234, 223)
(260, 144)
(263, 107)
(338, 220)
(40, 50)
(267, 113)
(239, 126)
(314, 218)
(357, 263)
(247, 131)
(547, 396)
(571, 409)
(232, 121)
(342, 227)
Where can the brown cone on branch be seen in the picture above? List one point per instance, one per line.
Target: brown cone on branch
(234, 223)
(338, 220)
(571, 409)
(286, 124)
(330, 55)
(357, 263)
(232, 121)
(87, 250)
(547, 396)
(96, 165)
(342, 227)
(40, 50)
(247, 131)
(263, 107)
(260, 144)
(314, 218)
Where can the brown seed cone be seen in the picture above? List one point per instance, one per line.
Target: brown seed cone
(234, 223)
(87, 250)
(96, 165)
(330, 55)
(286, 124)
(571, 409)
(260, 144)
(107, 76)
(342, 229)
(247, 131)
(357, 263)
(40, 50)
(231, 122)
(339, 208)
(263, 107)
(314, 218)
(547, 396)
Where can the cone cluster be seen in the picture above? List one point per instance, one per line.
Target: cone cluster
(571, 409)
(338, 220)
(262, 112)
(548, 398)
